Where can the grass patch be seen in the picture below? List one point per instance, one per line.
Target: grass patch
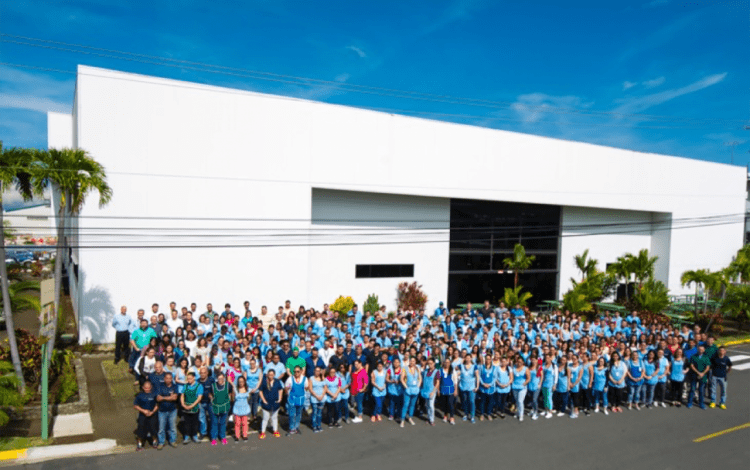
(739, 337)
(14, 443)
(119, 381)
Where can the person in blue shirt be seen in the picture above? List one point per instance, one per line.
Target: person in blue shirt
(123, 325)
(467, 386)
(635, 380)
(167, 399)
(441, 310)
(651, 378)
(146, 406)
(598, 384)
(517, 311)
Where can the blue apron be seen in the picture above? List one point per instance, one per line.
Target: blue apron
(380, 382)
(447, 387)
(428, 383)
(297, 392)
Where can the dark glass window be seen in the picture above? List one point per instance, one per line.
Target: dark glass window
(384, 270)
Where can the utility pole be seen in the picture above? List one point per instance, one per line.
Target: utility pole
(733, 144)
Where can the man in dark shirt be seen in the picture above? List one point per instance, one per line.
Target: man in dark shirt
(204, 413)
(146, 406)
(157, 376)
(312, 362)
(700, 365)
(167, 399)
(486, 310)
(721, 365)
(337, 359)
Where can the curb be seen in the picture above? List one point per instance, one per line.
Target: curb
(37, 454)
(735, 343)
(80, 406)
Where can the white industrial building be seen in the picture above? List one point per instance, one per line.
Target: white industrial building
(193, 166)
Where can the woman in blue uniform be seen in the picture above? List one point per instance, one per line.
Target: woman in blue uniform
(576, 376)
(549, 380)
(535, 386)
(676, 377)
(562, 389)
(448, 391)
(635, 380)
(378, 391)
(586, 396)
(651, 378)
(295, 388)
(317, 388)
(486, 389)
(521, 379)
(411, 379)
(467, 385)
(503, 380)
(618, 372)
(598, 384)
(333, 389)
(429, 388)
(345, 377)
(395, 389)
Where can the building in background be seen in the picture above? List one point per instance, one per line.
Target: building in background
(223, 195)
(32, 221)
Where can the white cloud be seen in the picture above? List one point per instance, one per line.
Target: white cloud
(457, 11)
(34, 91)
(628, 85)
(357, 51)
(641, 103)
(342, 78)
(654, 82)
(531, 107)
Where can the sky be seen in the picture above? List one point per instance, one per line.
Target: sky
(659, 76)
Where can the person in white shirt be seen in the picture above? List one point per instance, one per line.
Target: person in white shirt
(174, 322)
(328, 352)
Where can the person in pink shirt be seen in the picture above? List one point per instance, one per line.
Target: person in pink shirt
(359, 386)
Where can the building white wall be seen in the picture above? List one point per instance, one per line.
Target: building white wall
(425, 244)
(231, 153)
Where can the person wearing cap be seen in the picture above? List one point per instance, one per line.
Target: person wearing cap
(295, 361)
(441, 310)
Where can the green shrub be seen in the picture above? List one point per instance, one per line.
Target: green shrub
(513, 296)
(30, 352)
(68, 385)
(9, 394)
(372, 304)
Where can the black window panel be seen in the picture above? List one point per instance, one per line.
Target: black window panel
(541, 261)
(384, 270)
(468, 262)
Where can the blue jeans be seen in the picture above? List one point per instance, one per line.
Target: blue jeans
(715, 383)
(408, 408)
(378, 406)
(218, 426)
(694, 383)
(343, 405)
(486, 402)
(600, 396)
(358, 398)
(167, 421)
(649, 393)
(295, 416)
(501, 402)
(395, 403)
(519, 394)
(634, 391)
(254, 401)
(533, 398)
(467, 402)
(317, 415)
(205, 416)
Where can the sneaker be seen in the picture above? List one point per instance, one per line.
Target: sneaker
(605, 412)
(390, 418)
(638, 408)
(723, 406)
(186, 441)
(224, 441)
(236, 440)
(196, 440)
(172, 444)
(453, 421)
(411, 421)
(560, 414)
(481, 418)
(535, 416)
(356, 419)
(596, 410)
(574, 416)
(402, 424)
(138, 448)
(712, 405)
(260, 436)
(338, 425)
(473, 420)
(548, 415)
(213, 442)
(464, 418)
(276, 434)
(160, 447)
(244, 439)
(520, 419)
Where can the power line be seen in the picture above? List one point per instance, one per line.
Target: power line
(291, 245)
(307, 81)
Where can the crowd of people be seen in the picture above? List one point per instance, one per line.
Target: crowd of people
(218, 369)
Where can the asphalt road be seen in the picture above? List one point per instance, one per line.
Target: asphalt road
(660, 438)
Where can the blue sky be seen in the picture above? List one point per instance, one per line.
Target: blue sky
(658, 76)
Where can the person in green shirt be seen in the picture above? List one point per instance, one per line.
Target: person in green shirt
(139, 339)
(295, 361)
(700, 365)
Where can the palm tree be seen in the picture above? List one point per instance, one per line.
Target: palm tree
(73, 174)
(586, 265)
(20, 300)
(698, 277)
(519, 262)
(643, 267)
(13, 173)
(740, 267)
(622, 269)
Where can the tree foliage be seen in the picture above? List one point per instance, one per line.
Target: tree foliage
(409, 296)
(372, 304)
(653, 296)
(519, 262)
(513, 296)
